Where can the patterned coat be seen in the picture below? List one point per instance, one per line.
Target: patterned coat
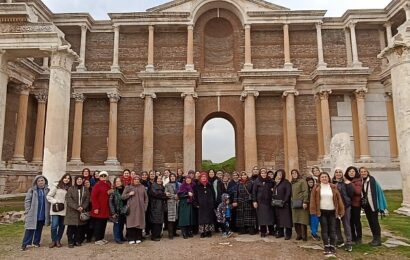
(172, 202)
(245, 213)
(76, 197)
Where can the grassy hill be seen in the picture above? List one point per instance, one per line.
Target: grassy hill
(226, 166)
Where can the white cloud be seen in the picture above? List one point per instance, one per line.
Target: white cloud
(218, 140)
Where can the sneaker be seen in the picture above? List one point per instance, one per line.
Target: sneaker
(105, 241)
(349, 248)
(138, 242)
(333, 250)
(315, 237)
(100, 242)
(70, 245)
(131, 242)
(23, 248)
(340, 244)
(36, 246)
(229, 234)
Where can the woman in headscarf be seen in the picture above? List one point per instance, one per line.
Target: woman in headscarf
(117, 204)
(204, 200)
(300, 205)
(262, 197)
(242, 201)
(186, 217)
(158, 202)
(171, 190)
(283, 215)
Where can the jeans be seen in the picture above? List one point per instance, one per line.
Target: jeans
(355, 224)
(99, 225)
(33, 236)
(346, 227)
(373, 219)
(314, 224)
(57, 228)
(328, 227)
(226, 226)
(118, 228)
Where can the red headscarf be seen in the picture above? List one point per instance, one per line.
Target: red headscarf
(203, 182)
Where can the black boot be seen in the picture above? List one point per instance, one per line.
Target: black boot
(298, 229)
(171, 230)
(304, 232)
(184, 232)
(190, 232)
(376, 241)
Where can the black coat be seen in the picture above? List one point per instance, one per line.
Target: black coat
(283, 216)
(262, 194)
(157, 199)
(204, 200)
(346, 192)
(217, 186)
(232, 188)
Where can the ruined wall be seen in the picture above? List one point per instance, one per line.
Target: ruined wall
(267, 49)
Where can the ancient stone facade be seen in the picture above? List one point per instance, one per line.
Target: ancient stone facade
(142, 86)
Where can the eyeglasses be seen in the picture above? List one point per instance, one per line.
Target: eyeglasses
(103, 176)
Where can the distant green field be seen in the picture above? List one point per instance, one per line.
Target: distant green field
(226, 166)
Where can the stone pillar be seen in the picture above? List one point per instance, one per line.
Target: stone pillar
(81, 67)
(45, 62)
(40, 126)
(189, 131)
(348, 48)
(4, 79)
(326, 124)
(355, 125)
(248, 49)
(319, 128)
(407, 10)
(251, 149)
(150, 65)
(356, 63)
(79, 99)
(112, 130)
(286, 46)
(292, 142)
(362, 120)
(389, 33)
(115, 66)
(321, 63)
(190, 49)
(58, 110)
(382, 41)
(148, 139)
(20, 143)
(394, 150)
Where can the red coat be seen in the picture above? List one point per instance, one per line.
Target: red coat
(357, 185)
(99, 200)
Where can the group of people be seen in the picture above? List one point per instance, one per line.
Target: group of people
(266, 202)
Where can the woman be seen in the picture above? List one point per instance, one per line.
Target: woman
(180, 175)
(77, 198)
(283, 215)
(56, 197)
(126, 177)
(117, 205)
(171, 190)
(300, 212)
(225, 182)
(204, 200)
(36, 211)
(231, 190)
(150, 182)
(326, 203)
(186, 217)
(315, 173)
(137, 201)
(216, 184)
(352, 174)
(144, 179)
(88, 227)
(346, 191)
(242, 201)
(157, 199)
(86, 173)
(262, 197)
(313, 219)
(100, 207)
(373, 202)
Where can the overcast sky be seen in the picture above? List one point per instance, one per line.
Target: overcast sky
(218, 135)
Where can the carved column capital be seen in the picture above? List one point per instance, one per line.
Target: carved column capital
(361, 93)
(290, 92)
(114, 97)
(318, 25)
(190, 27)
(193, 94)
(151, 95)
(352, 25)
(24, 89)
(247, 93)
(78, 97)
(63, 59)
(41, 96)
(389, 96)
(324, 94)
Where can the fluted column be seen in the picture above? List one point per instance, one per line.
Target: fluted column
(40, 126)
(292, 142)
(363, 130)
(321, 63)
(391, 121)
(389, 33)
(115, 66)
(150, 65)
(20, 142)
(286, 46)
(251, 148)
(190, 49)
(348, 48)
(45, 62)
(248, 49)
(79, 99)
(356, 63)
(81, 66)
(148, 138)
(4, 79)
(112, 130)
(189, 131)
(319, 127)
(326, 124)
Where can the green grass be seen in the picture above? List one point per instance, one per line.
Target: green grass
(10, 236)
(226, 166)
(13, 204)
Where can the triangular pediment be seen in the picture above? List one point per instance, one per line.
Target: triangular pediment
(188, 5)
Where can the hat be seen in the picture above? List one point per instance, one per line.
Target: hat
(103, 173)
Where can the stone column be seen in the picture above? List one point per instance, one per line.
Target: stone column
(326, 124)
(251, 149)
(286, 46)
(389, 33)
(394, 150)
(81, 67)
(189, 131)
(79, 99)
(112, 130)
(45, 62)
(348, 48)
(58, 110)
(150, 65)
(382, 41)
(356, 63)
(248, 49)
(321, 63)
(40, 126)
(407, 10)
(148, 139)
(362, 120)
(115, 66)
(4, 79)
(19, 144)
(319, 127)
(355, 125)
(292, 142)
(190, 49)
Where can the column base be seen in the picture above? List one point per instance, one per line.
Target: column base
(395, 159)
(75, 162)
(403, 210)
(113, 161)
(36, 162)
(321, 66)
(357, 64)
(365, 159)
(190, 67)
(18, 160)
(115, 69)
(81, 68)
(288, 66)
(247, 66)
(150, 68)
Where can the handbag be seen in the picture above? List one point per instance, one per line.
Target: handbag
(84, 216)
(297, 204)
(125, 211)
(364, 201)
(249, 195)
(58, 207)
(277, 203)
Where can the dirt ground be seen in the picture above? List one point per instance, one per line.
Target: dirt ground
(235, 247)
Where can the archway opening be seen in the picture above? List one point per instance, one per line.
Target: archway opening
(218, 145)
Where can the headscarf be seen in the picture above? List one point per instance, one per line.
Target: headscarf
(203, 174)
(185, 187)
(242, 181)
(136, 177)
(297, 178)
(224, 197)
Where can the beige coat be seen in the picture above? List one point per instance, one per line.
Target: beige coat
(138, 204)
(57, 195)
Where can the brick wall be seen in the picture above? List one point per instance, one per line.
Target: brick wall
(133, 52)
(75, 40)
(170, 49)
(334, 48)
(267, 49)
(368, 46)
(30, 128)
(99, 53)
(12, 107)
(333, 100)
(303, 50)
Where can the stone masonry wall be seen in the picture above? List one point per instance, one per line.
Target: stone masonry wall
(303, 50)
(267, 49)
(133, 52)
(99, 51)
(368, 46)
(334, 48)
(170, 49)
